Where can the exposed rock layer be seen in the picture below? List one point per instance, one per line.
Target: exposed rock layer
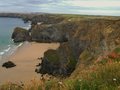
(20, 35)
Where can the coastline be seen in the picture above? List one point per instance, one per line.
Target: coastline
(26, 58)
(8, 51)
(7, 47)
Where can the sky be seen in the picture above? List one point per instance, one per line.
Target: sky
(88, 7)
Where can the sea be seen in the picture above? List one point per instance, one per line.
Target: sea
(7, 26)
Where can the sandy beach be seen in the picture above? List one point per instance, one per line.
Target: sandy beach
(26, 59)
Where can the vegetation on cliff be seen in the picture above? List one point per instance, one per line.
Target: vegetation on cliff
(55, 63)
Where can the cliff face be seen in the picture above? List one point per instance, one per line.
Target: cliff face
(20, 35)
(95, 36)
(83, 38)
(87, 39)
(47, 33)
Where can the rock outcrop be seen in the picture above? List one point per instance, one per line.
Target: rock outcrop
(20, 35)
(55, 63)
(42, 30)
(8, 64)
(47, 33)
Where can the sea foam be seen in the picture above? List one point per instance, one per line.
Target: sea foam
(10, 50)
(6, 50)
(1, 53)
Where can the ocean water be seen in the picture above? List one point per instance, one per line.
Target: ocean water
(7, 26)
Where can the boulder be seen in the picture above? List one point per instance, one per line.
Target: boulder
(20, 35)
(8, 64)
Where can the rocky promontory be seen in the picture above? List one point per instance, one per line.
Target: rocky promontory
(20, 35)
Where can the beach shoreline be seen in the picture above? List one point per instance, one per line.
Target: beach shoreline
(25, 58)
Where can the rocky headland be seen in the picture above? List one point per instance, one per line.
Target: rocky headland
(64, 52)
(82, 39)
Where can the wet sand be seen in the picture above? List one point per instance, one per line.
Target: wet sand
(26, 59)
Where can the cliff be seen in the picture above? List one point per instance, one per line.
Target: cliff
(83, 39)
(20, 35)
(87, 40)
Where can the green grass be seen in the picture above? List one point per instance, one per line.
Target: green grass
(105, 77)
(72, 61)
(117, 50)
(104, 61)
(52, 56)
(49, 85)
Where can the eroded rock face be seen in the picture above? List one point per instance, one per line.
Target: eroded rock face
(8, 64)
(50, 63)
(87, 40)
(44, 33)
(20, 35)
(58, 62)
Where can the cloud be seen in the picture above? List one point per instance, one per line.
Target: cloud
(93, 3)
(97, 7)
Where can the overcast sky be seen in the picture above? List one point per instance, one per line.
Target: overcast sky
(92, 7)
